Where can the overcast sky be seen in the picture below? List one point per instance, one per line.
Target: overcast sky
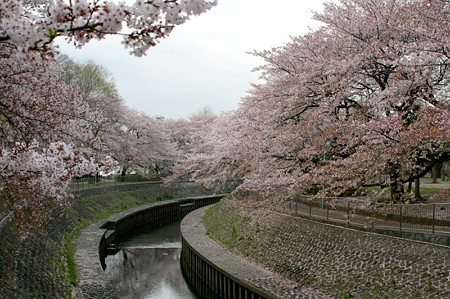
(204, 61)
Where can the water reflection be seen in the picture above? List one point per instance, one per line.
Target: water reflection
(149, 267)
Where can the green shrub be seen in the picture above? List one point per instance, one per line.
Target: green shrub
(129, 178)
(164, 196)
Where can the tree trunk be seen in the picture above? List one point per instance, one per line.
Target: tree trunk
(396, 184)
(436, 172)
(433, 175)
(408, 190)
(417, 189)
(444, 171)
(124, 170)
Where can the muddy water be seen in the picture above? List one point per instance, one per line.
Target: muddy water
(148, 267)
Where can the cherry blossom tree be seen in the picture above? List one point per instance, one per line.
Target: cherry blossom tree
(40, 117)
(189, 138)
(363, 100)
(394, 79)
(46, 126)
(96, 87)
(135, 139)
(35, 24)
(95, 84)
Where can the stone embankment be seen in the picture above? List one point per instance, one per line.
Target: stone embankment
(93, 282)
(340, 262)
(33, 267)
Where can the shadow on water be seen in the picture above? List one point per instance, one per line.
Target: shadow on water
(148, 266)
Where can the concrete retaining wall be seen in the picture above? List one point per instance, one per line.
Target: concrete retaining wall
(203, 264)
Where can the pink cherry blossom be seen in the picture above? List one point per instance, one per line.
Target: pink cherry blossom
(50, 132)
(361, 100)
(35, 24)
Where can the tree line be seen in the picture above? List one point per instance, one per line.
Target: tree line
(60, 119)
(363, 100)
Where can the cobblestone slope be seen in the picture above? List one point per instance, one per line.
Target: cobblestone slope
(34, 267)
(341, 262)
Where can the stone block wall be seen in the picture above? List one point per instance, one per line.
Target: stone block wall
(340, 262)
(33, 267)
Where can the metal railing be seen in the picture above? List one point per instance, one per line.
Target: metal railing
(86, 183)
(432, 218)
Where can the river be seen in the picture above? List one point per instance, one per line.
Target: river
(148, 266)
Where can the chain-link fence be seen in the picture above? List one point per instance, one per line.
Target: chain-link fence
(433, 218)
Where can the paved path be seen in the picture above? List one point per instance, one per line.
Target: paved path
(93, 282)
(437, 185)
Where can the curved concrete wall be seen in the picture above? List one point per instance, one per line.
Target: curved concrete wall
(210, 281)
(212, 271)
(124, 225)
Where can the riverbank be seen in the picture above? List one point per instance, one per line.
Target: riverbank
(40, 265)
(200, 252)
(340, 262)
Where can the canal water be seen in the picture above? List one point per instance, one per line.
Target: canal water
(148, 266)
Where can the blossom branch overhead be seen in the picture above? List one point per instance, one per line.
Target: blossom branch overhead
(34, 25)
